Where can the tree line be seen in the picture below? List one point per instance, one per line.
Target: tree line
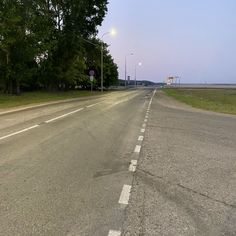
(45, 44)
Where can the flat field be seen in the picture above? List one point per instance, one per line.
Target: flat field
(219, 100)
(27, 98)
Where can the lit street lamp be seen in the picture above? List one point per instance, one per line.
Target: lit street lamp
(135, 72)
(130, 54)
(112, 32)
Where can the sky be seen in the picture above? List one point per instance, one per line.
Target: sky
(192, 39)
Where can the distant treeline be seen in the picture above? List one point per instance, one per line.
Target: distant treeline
(52, 44)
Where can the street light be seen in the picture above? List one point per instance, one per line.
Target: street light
(135, 72)
(129, 54)
(112, 32)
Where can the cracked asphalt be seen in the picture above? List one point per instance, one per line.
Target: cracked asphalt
(185, 183)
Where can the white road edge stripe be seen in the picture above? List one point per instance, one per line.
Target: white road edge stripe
(124, 196)
(67, 114)
(137, 148)
(140, 138)
(19, 132)
(114, 233)
(132, 166)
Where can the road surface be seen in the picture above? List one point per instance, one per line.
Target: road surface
(185, 183)
(129, 163)
(63, 167)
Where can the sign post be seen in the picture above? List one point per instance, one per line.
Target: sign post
(91, 77)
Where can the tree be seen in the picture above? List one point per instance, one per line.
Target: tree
(42, 44)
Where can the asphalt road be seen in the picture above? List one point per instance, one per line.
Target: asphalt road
(63, 167)
(185, 183)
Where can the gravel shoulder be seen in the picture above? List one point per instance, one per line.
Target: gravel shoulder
(185, 180)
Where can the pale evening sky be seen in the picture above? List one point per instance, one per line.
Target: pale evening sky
(193, 39)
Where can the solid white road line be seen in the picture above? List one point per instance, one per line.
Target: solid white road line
(140, 138)
(62, 116)
(114, 233)
(124, 196)
(142, 130)
(137, 148)
(19, 132)
(132, 166)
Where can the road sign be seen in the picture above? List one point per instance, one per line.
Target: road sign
(91, 72)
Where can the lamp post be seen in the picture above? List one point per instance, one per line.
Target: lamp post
(130, 54)
(112, 32)
(135, 72)
(102, 46)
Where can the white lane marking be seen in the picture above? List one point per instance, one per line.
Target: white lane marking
(142, 130)
(124, 196)
(146, 116)
(137, 148)
(114, 233)
(144, 125)
(145, 120)
(92, 105)
(140, 138)
(62, 116)
(132, 166)
(19, 132)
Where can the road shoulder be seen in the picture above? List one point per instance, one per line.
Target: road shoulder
(184, 183)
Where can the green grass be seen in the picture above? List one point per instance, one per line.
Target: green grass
(219, 100)
(27, 98)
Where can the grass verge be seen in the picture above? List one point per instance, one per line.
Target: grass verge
(219, 100)
(27, 98)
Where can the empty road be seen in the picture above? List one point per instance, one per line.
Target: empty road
(63, 167)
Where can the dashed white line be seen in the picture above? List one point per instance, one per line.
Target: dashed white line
(142, 130)
(132, 166)
(124, 196)
(140, 138)
(146, 116)
(19, 132)
(137, 148)
(144, 125)
(114, 233)
(62, 116)
(92, 105)
(145, 120)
